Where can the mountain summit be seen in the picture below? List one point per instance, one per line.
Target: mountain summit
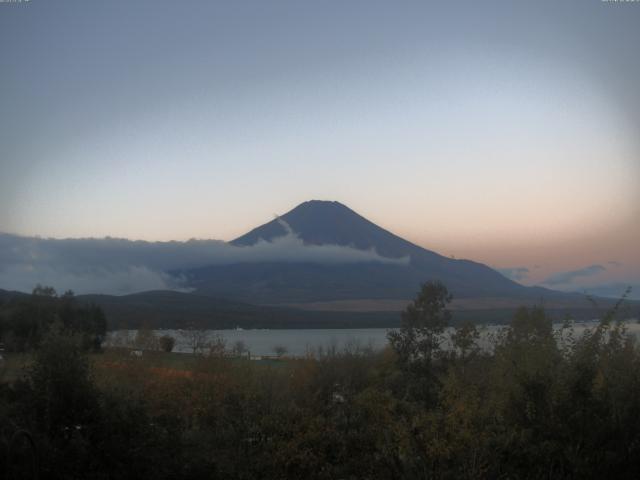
(319, 222)
(332, 223)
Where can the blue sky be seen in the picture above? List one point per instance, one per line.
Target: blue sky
(503, 131)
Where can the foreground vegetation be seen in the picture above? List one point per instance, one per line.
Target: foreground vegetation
(538, 404)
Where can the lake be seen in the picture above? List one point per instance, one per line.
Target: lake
(299, 342)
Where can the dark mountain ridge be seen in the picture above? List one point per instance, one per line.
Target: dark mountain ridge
(304, 294)
(319, 222)
(332, 223)
(165, 309)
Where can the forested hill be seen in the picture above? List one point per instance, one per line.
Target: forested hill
(169, 309)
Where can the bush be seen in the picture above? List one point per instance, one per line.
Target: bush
(167, 342)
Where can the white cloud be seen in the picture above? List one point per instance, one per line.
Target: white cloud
(120, 266)
(92, 280)
(569, 277)
(515, 273)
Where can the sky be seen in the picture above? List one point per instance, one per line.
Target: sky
(505, 132)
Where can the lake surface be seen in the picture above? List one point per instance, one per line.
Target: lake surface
(300, 342)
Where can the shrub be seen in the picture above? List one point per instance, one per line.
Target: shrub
(167, 342)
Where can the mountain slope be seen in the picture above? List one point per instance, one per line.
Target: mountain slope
(331, 223)
(320, 222)
(169, 309)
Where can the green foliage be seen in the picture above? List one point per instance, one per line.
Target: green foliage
(26, 321)
(239, 347)
(423, 323)
(167, 342)
(63, 395)
(534, 403)
(280, 350)
(464, 342)
(417, 343)
(146, 339)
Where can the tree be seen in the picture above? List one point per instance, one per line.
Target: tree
(464, 340)
(217, 346)
(239, 347)
(280, 350)
(63, 396)
(121, 338)
(167, 342)
(146, 339)
(31, 317)
(44, 291)
(196, 339)
(423, 324)
(417, 343)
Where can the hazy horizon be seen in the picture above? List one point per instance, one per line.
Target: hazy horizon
(120, 265)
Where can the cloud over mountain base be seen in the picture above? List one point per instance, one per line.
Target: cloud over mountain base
(120, 266)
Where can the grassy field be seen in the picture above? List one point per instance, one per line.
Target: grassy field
(14, 365)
